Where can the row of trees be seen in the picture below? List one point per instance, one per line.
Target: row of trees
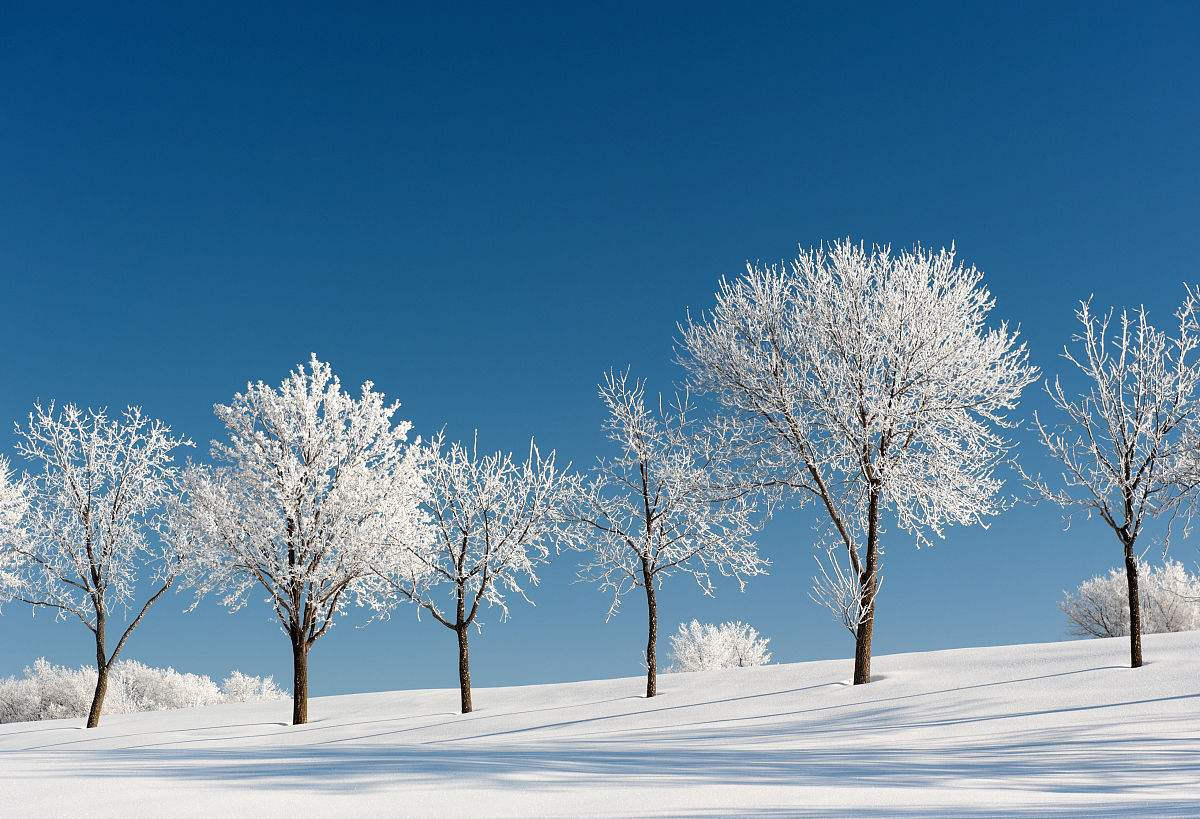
(865, 382)
(870, 384)
(317, 499)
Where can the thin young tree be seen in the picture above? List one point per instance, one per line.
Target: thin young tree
(309, 484)
(666, 504)
(88, 536)
(1120, 442)
(871, 384)
(495, 521)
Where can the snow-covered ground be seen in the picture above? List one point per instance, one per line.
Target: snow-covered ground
(1060, 729)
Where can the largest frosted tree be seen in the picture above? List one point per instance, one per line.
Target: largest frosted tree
(308, 486)
(870, 383)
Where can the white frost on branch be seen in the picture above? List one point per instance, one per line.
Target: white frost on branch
(842, 592)
(98, 493)
(1170, 601)
(871, 384)
(1122, 444)
(495, 521)
(697, 646)
(309, 486)
(48, 691)
(669, 502)
(14, 501)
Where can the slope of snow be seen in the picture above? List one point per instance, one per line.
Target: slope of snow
(1059, 729)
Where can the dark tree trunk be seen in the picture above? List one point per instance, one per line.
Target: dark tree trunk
(869, 582)
(1135, 607)
(652, 632)
(93, 719)
(102, 667)
(105, 662)
(299, 681)
(862, 649)
(464, 668)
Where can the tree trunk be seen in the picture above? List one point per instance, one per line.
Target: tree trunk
(464, 668)
(1135, 607)
(93, 719)
(299, 681)
(105, 662)
(862, 649)
(102, 667)
(869, 582)
(652, 633)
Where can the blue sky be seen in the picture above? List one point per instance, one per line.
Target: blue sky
(482, 209)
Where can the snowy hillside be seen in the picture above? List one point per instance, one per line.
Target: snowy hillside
(1061, 729)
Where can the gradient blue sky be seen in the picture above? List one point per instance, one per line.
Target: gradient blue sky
(483, 208)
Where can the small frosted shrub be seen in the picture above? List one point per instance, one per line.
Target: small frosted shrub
(47, 691)
(239, 687)
(700, 646)
(1170, 598)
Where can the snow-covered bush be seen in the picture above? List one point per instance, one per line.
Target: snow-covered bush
(700, 646)
(239, 687)
(1169, 595)
(49, 691)
(156, 689)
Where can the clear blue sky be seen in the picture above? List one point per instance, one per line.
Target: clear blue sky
(482, 209)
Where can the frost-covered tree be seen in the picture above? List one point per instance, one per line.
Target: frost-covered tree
(1120, 442)
(13, 504)
(88, 535)
(666, 504)
(871, 384)
(495, 521)
(700, 646)
(1170, 601)
(309, 484)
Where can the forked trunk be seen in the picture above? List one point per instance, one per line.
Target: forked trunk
(299, 682)
(464, 668)
(652, 635)
(1135, 607)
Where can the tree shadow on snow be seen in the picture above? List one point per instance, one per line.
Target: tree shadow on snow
(846, 746)
(1047, 760)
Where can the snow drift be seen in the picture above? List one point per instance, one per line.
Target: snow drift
(1059, 729)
